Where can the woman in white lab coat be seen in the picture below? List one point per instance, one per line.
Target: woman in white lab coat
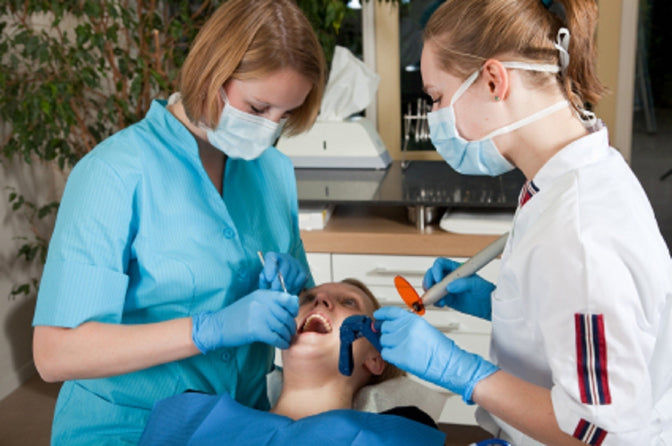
(581, 309)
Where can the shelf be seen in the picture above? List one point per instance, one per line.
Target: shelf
(386, 230)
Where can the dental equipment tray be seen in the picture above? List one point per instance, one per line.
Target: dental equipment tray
(422, 183)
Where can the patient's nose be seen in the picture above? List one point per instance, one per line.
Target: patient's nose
(324, 299)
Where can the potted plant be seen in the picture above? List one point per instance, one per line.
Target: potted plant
(74, 72)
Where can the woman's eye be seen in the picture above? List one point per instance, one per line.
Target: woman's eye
(436, 100)
(257, 110)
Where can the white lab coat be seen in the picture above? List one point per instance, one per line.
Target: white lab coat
(580, 301)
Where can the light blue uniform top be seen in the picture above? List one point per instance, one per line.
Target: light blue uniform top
(142, 235)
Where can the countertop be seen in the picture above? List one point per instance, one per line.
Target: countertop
(373, 207)
(386, 230)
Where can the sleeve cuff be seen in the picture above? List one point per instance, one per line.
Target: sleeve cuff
(73, 293)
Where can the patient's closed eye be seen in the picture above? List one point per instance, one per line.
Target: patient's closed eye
(306, 298)
(349, 302)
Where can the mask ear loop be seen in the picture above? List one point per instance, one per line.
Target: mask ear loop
(466, 84)
(588, 118)
(562, 45)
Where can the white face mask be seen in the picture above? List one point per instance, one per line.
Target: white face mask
(479, 157)
(243, 135)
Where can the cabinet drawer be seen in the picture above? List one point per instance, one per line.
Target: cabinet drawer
(380, 270)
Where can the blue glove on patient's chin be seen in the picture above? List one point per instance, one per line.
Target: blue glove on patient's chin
(412, 344)
(470, 295)
(293, 273)
(261, 316)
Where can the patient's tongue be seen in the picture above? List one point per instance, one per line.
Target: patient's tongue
(315, 325)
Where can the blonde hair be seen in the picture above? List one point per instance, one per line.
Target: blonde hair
(390, 370)
(465, 33)
(248, 39)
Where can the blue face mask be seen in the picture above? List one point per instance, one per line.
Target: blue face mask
(479, 157)
(243, 135)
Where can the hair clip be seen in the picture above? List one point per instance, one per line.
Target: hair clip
(556, 8)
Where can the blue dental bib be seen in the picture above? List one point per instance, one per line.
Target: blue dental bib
(199, 419)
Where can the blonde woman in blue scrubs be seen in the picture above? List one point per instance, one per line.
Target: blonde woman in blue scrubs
(152, 284)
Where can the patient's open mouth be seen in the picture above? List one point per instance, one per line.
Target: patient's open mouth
(316, 323)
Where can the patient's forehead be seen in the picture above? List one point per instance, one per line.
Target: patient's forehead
(342, 290)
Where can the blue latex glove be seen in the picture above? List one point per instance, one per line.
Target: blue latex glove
(412, 344)
(263, 315)
(470, 295)
(291, 269)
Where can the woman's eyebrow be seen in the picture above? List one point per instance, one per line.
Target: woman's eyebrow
(258, 101)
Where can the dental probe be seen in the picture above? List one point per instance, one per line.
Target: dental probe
(438, 291)
(263, 264)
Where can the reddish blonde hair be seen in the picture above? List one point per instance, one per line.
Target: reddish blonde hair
(465, 33)
(248, 39)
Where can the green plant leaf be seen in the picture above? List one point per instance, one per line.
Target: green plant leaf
(18, 203)
(20, 289)
(47, 209)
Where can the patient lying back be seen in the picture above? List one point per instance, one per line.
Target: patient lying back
(315, 403)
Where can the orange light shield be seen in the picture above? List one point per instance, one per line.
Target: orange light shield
(409, 295)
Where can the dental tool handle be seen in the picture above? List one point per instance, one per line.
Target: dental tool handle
(474, 264)
(263, 264)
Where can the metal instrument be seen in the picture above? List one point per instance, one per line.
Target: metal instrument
(415, 124)
(282, 280)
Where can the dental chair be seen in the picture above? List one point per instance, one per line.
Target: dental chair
(396, 392)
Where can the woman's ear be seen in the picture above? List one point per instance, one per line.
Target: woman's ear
(496, 78)
(375, 364)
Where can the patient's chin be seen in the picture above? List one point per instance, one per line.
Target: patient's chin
(314, 337)
(308, 358)
(314, 344)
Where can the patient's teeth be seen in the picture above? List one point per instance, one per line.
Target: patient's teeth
(316, 323)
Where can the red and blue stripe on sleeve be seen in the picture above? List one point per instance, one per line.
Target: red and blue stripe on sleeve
(591, 359)
(589, 433)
